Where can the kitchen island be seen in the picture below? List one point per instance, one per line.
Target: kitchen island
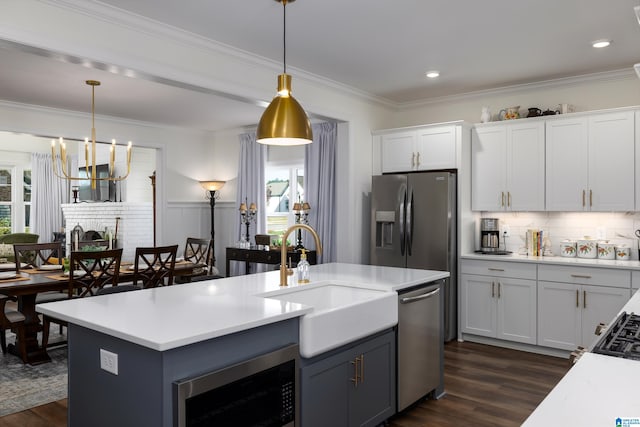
(164, 335)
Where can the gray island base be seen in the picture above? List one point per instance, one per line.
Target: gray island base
(141, 394)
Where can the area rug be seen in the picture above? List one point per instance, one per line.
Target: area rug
(25, 386)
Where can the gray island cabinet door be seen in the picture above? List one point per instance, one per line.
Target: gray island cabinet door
(330, 396)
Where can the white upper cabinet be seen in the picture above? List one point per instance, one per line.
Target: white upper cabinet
(436, 148)
(398, 153)
(507, 167)
(590, 163)
(417, 149)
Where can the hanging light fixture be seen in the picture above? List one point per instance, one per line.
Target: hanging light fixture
(60, 166)
(284, 122)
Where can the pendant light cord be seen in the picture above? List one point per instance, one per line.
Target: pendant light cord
(284, 35)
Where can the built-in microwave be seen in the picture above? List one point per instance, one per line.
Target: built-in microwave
(262, 391)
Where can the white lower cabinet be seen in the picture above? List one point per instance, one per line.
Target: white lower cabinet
(497, 306)
(568, 311)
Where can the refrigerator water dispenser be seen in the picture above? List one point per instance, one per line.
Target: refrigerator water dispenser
(384, 228)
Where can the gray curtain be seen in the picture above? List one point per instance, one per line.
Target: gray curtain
(251, 186)
(48, 192)
(320, 181)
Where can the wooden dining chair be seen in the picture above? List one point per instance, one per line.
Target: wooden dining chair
(39, 255)
(10, 319)
(88, 273)
(35, 255)
(197, 251)
(154, 266)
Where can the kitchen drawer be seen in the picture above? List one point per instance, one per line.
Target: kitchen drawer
(585, 275)
(519, 270)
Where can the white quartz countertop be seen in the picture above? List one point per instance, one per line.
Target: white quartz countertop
(596, 391)
(558, 260)
(174, 316)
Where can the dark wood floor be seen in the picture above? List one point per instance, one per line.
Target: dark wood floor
(485, 385)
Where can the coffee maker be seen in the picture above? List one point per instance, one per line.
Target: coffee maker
(489, 235)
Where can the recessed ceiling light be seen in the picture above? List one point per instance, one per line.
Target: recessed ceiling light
(433, 74)
(601, 43)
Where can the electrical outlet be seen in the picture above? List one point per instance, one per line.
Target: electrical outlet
(506, 230)
(109, 361)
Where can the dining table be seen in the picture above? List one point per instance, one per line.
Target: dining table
(28, 283)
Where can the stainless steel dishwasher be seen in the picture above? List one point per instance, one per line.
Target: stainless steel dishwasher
(420, 343)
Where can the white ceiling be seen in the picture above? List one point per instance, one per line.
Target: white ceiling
(380, 48)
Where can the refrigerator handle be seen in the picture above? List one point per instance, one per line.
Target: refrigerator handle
(402, 234)
(409, 230)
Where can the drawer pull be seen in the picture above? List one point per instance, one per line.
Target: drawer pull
(581, 276)
(495, 269)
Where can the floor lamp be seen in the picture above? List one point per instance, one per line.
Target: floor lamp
(212, 188)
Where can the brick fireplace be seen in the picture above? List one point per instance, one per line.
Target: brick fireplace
(135, 223)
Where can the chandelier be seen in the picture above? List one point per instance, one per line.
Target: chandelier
(60, 162)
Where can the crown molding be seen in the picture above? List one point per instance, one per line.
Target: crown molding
(156, 29)
(623, 74)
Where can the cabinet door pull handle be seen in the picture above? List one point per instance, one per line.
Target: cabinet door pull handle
(584, 299)
(499, 286)
(590, 198)
(502, 199)
(509, 198)
(493, 289)
(577, 298)
(495, 269)
(583, 196)
(418, 159)
(355, 371)
(413, 160)
(581, 276)
(361, 368)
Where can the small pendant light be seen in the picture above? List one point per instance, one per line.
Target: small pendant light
(284, 122)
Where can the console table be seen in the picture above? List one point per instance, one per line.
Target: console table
(264, 257)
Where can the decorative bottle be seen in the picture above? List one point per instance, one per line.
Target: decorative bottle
(303, 267)
(485, 116)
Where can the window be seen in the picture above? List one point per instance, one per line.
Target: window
(280, 194)
(15, 201)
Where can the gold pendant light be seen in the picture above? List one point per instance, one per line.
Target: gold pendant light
(284, 122)
(60, 166)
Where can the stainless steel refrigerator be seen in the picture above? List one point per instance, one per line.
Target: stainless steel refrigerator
(414, 225)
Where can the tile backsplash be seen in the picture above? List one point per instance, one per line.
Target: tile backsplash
(618, 227)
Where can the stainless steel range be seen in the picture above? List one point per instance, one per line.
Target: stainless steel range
(622, 339)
